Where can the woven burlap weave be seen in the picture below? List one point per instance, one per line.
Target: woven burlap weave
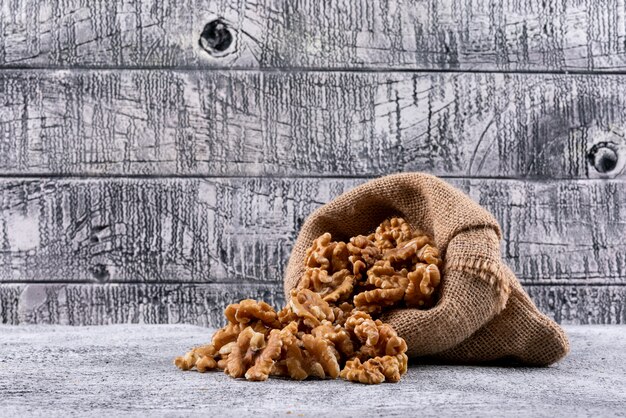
(483, 314)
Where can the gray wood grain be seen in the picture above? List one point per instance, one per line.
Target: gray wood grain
(92, 304)
(194, 123)
(433, 34)
(241, 230)
(203, 304)
(581, 304)
(121, 370)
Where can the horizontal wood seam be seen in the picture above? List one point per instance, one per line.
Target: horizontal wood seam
(272, 283)
(238, 69)
(166, 176)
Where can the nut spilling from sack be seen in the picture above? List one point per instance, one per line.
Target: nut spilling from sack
(329, 327)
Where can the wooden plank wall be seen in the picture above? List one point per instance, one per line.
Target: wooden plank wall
(157, 158)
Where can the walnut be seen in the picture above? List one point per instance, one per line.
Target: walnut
(222, 363)
(384, 276)
(243, 353)
(327, 255)
(226, 349)
(375, 370)
(403, 363)
(310, 356)
(383, 352)
(422, 284)
(429, 254)
(226, 335)
(298, 366)
(248, 310)
(280, 369)
(323, 353)
(301, 364)
(191, 358)
(265, 361)
(332, 288)
(343, 283)
(374, 300)
(316, 279)
(355, 319)
(337, 335)
(392, 232)
(186, 361)
(367, 332)
(206, 363)
(204, 358)
(390, 286)
(408, 251)
(367, 373)
(259, 326)
(381, 341)
(339, 259)
(286, 315)
(342, 312)
(223, 353)
(389, 343)
(298, 362)
(363, 254)
(376, 338)
(310, 307)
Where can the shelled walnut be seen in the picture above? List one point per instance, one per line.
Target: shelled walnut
(326, 330)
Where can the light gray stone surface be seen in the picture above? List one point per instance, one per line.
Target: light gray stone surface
(127, 370)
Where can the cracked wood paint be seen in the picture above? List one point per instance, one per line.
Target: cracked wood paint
(231, 230)
(532, 35)
(229, 123)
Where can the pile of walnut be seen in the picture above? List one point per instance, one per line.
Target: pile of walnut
(328, 321)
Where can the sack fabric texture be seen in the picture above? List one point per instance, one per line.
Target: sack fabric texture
(483, 314)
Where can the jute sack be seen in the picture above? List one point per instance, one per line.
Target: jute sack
(483, 314)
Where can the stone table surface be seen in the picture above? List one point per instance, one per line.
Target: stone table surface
(127, 370)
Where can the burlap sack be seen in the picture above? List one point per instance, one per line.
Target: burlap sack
(483, 314)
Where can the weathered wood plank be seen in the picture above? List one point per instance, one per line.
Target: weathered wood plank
(581, 304)
(242, 229)
(294, 124)
(127, 303)
(432, 34)
(203, 304)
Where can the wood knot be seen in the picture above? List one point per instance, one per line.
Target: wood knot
(100, 272)
(603, 156)
(216, 37)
